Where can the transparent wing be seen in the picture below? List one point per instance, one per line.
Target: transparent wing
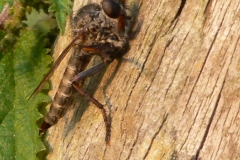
(50, 72)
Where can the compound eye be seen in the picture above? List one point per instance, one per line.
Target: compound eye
(111, 8)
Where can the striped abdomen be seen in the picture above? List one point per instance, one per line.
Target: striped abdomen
(63, 97)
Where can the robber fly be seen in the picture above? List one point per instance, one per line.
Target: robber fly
(98, 30)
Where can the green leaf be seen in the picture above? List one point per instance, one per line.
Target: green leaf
(61, 8)
(3, 2)
(21, 71)
(40, 21)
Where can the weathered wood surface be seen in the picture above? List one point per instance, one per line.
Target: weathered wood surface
(174, 95)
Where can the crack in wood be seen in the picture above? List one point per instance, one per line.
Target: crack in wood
(135, 141)
(155, 135)
(180, 9)
(209, 123)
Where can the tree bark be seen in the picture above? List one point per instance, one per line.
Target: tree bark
(174, 95)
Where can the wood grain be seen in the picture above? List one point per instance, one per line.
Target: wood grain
(174, 95)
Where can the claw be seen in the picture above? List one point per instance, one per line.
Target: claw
(44, 127)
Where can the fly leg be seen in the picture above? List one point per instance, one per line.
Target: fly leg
(101, 50)
(81, 76)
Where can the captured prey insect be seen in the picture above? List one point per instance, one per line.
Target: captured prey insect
(98, 30)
